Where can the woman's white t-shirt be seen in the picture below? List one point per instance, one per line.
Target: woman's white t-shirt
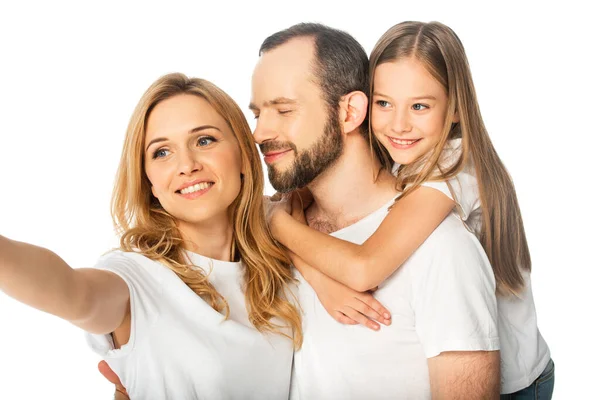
(181, 348)
(524, 353)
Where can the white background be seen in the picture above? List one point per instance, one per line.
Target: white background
(71, 74)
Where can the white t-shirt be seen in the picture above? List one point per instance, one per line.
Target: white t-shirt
(181, 348)
(442, 299)
(523, 350)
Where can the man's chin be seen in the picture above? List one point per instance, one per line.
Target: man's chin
(281, 187)
(281, 182)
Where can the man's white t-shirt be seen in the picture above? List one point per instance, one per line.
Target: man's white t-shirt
(181, 348)
(442, 299)
(523, 350)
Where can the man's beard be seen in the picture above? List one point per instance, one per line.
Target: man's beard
(310, 163)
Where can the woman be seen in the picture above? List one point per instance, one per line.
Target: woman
(195, 303)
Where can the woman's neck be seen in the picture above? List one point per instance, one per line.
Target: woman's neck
(211, 239)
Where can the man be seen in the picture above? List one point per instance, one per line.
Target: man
(308, 94)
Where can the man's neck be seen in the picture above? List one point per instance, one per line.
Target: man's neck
(352, 188)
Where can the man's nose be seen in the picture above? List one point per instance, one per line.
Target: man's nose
(265, 130)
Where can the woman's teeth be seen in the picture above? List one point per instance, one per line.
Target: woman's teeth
(195, 188)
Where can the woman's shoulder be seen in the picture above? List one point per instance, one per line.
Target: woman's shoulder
(133, 265)
(119, 256)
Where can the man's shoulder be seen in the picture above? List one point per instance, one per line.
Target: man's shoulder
(451, 234)
(452, 263)
(452, 246)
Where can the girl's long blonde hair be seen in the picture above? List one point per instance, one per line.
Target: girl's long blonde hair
(440, 50)
(145, 227)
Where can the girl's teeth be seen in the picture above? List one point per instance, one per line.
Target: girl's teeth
(403, 142)
(195, 188)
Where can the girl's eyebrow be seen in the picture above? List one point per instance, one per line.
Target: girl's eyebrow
(379, 94)
(424, 97)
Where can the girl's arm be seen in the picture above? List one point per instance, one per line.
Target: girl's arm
(94, 300)
(362, 267)
(345, 305)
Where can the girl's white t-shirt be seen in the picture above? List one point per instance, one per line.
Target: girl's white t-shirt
(523, 350)
(181, 348)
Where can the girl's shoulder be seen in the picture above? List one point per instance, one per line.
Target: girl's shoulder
(463, 188)
(450, 154)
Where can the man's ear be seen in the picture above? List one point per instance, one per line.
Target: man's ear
(353, 110)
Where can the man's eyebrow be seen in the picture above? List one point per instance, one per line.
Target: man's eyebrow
(193, 130)
(282, 100)
(274, 102)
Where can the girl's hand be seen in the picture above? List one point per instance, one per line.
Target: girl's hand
(301, 199)
(277, 203)
(305, 197)
(350, 307)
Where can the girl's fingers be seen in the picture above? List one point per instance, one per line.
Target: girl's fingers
(343, 319)
(360, 318)
(305, 197)
(382, 314)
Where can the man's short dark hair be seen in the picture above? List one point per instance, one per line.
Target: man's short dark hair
(341, 63)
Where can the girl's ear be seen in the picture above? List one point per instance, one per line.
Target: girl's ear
(456, 117)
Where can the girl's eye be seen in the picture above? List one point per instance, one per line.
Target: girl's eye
(383, 103)
(205, 140)
(419, 107)
(283, 112)
(160, 153)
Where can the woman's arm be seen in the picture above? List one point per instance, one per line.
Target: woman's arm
(94, 300)
(362, 267)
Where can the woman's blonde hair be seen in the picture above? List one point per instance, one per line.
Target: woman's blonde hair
(145, 227)
(441, 52)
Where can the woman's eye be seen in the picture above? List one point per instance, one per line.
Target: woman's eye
(419, 107)
(205, 140)
(383, 103)
(284, 111)
(160, 153)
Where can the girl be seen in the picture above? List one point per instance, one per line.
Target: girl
(425, 115)
(194, 303)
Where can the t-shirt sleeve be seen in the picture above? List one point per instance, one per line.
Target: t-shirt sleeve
(145, 290)
(454, 298)
(462, 189)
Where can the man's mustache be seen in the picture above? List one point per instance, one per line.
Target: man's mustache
(271, 146)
